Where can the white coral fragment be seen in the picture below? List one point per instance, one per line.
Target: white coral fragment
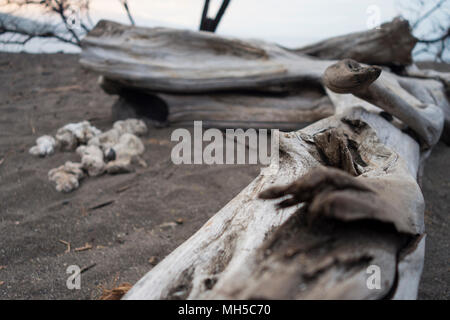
(106, 140)
(114, 151)
(73, 134)
(126, 152)
(91, 159)
(133, 126)
(129, 145)
(45, 145)
(67, 176)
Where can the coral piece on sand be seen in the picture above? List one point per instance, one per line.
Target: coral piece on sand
(73, 134)
(91, 159)
(45, 145)
(106, 139)
(66, 176)
(133, 126)
(126, 152)
(129, 145)
(114, 151)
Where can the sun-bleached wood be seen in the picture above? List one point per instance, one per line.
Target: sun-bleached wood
(169, 61)
(348, 76)
(227, 253)
(250, 250)
(183, 61)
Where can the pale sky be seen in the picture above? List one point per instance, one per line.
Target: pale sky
(288, 22)
(291, 23)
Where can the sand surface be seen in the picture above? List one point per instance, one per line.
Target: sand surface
(39, 94)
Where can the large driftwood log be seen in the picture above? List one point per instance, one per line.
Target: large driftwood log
(250, 250)
(182, 61)
(261, 85)
(369, 212)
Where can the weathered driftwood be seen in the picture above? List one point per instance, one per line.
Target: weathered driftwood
(289, 111)
(367, 213)
(425, 119)
(168, 64)
(389, 44)
(182, 61)
(171, 67)
(237, 254)
(414, 71)
(431, 89)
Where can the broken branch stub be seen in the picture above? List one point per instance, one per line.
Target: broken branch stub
(348, 76)
(389, 44)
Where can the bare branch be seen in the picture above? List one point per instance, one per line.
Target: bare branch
(428, 13)
(439, 39)
(30, 29)
(127, 9)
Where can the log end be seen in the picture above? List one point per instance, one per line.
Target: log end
(348, 76)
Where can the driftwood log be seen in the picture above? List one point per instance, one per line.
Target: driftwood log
(187, 75)
(348, 182)
(368, 211)
(223, 110)
(179, 76)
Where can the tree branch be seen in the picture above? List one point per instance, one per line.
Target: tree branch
(428, 13)
(127, 9)
(439, 39)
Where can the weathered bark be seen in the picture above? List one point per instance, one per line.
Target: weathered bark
(367, 213)
(390, 44)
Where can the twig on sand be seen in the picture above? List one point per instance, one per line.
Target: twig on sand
(67, 244)
(61, 89)
(87, 268)
(87, 246)
(124, 188)
(83, 211)
(101, 205)
(33, 129)
(115, 293)
(5, 156)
